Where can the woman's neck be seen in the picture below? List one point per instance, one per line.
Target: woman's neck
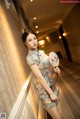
(33, 49)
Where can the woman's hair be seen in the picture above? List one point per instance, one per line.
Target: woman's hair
(24, 36)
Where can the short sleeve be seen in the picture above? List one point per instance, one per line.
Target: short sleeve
(41, 51)
(30, 61)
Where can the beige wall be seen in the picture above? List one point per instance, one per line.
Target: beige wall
(13, 67)
(71, 25)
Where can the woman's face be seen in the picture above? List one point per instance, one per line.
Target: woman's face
(31, 41)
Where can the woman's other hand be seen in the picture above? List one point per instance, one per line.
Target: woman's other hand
(56, 69)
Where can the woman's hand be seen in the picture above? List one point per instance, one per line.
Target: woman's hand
(56, 69)
(53, 97)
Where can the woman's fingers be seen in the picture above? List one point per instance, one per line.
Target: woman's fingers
(56, 69)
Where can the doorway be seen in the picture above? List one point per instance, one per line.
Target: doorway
(65, 43)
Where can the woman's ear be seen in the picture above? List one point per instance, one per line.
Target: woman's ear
(25, 45)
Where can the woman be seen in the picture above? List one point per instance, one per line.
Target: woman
(41, 67)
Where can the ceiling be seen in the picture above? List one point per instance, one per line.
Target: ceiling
(49, 14)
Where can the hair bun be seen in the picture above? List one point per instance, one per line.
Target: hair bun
(24, 35)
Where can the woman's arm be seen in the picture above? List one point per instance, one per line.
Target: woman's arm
(38, 74)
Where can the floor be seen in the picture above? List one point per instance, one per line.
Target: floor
(69, 84)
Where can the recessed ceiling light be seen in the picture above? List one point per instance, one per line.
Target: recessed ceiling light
(34, 18)
(60, 37)
(37, 31)
(31, 0)
(36, 26)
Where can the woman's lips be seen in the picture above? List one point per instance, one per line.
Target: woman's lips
(35, 45)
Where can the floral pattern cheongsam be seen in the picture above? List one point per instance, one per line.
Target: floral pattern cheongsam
(39, 58)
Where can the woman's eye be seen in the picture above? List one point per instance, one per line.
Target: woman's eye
(30, 40)
(35, 38)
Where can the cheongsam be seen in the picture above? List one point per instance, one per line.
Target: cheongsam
(39, 58)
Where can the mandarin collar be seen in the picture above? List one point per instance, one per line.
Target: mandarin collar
(33, 50)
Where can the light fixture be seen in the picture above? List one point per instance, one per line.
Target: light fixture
(31, 0)
(41, 42)
(47, 37)
(36, 26)
(37, 31)
(64, 34)
(60, 37)
(34, 18)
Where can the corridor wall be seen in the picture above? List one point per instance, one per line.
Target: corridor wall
(71, 26)
(13, 67)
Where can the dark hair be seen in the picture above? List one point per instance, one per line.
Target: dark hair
(24, 36)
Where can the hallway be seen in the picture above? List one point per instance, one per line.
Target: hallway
(70, 87)
(69, 83)
(56, 26)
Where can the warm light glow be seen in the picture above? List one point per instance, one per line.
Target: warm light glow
(64, 34)
(37, 31)
(60, 37)
(42, 46)
(22, 30)
(31, 0)
(36, 26)
(59, 22)
(31, 102)
(42, 42)
(47, 37)
(34, 18)
(11, 46)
